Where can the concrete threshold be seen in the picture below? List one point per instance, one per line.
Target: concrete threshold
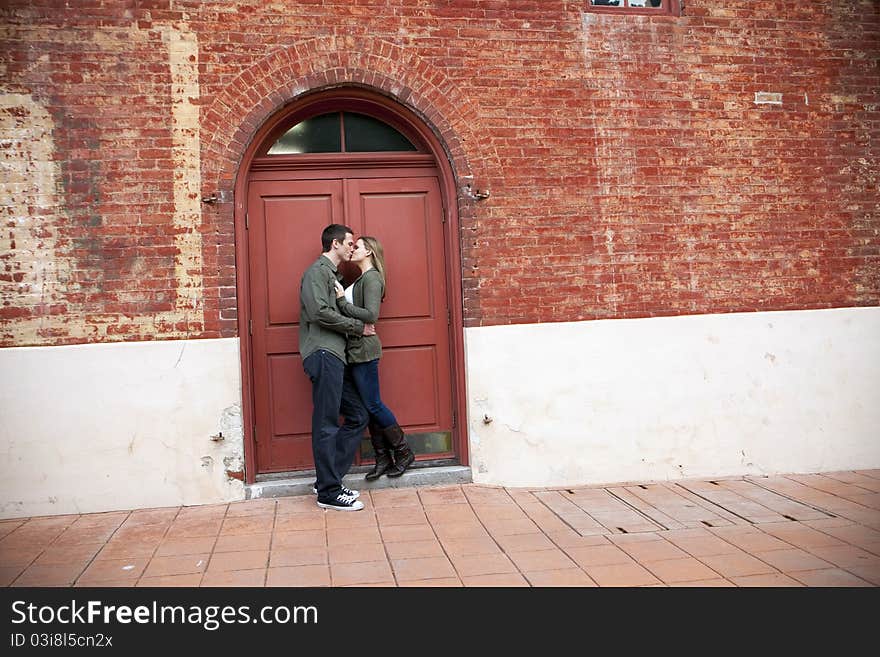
(302, 485)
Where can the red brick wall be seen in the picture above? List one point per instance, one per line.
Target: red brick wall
(631, 171)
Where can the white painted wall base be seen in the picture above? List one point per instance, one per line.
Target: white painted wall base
(91, 428)
(675, 397)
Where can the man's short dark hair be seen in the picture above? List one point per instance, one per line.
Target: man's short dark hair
(333, 232)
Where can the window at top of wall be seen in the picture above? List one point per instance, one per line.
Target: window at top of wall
(644, 7)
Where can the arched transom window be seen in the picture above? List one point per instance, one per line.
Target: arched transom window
(340, 132)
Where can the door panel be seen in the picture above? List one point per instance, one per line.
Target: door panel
(404, 220)
(287, 382)
(421, 366)
(286, 218)
(289, 219)
(284, 237)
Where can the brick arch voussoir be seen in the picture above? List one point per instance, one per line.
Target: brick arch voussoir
(237, 113)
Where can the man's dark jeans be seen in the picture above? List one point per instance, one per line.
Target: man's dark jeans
(333, 447)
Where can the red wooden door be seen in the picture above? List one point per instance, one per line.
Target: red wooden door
(285, 220)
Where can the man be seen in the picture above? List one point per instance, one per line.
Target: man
(322, 335)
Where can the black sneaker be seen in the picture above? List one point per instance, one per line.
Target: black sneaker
(342, 502)
(346, 491)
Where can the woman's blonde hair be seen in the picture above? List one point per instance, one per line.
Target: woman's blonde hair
(378, 257)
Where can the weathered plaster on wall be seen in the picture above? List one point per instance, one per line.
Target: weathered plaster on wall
(579, 403)
(231, 445)
(90, 428)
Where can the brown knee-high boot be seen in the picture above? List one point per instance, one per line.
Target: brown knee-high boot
(384, 460)
(403, 455)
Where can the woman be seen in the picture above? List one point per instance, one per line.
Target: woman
(361, 300)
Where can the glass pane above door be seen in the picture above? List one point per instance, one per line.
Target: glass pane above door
(337, 132)
(319, 134)
(364, 134)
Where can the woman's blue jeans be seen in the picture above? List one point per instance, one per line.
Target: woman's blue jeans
(366, 380)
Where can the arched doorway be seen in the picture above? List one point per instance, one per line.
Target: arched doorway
(356, 158)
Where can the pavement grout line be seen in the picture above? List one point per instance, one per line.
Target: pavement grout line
(712, 505)
(639, 511)
(789, 497)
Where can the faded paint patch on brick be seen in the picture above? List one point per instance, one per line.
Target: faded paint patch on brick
(33, 275)
(110, 256)
(183, 55)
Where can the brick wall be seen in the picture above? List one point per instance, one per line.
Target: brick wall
(632, 172)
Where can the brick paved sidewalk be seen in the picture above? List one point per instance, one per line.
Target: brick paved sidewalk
(794, 530)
